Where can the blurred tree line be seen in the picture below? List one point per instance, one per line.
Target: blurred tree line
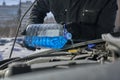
(9, 28)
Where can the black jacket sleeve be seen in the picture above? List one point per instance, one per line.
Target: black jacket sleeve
(39, 11)
(106, 20)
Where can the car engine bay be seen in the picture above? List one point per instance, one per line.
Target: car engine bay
(79, 55)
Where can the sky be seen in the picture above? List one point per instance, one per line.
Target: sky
(12, 2)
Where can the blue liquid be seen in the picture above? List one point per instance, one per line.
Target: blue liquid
(50, 42)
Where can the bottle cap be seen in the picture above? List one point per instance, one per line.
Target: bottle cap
(68, 36)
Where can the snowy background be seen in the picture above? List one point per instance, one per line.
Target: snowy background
(19, 51)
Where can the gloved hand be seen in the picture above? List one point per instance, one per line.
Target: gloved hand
(113, 43)
(74, 29)
(81, 32)
(24, 32)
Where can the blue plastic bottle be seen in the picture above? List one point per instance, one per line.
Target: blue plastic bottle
(47, 35)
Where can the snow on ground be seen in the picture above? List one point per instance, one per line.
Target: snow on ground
(18, 51)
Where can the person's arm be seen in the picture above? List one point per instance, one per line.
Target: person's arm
(39, 11)
(106, 20)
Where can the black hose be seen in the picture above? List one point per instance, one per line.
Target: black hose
(19, 27)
